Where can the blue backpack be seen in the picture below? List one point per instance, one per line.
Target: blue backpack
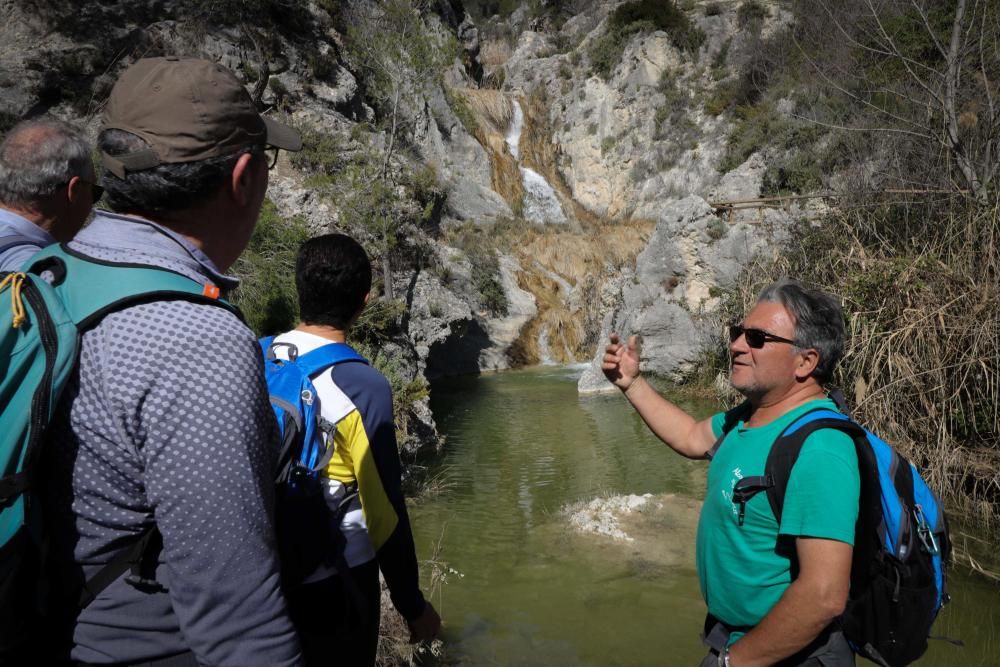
(41, 322)
(306, 536)
(901, 548)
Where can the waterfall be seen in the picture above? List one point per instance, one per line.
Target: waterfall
(544, 354)
(540, 202)
(513, 137)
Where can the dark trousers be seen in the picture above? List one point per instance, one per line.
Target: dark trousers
(338, 625)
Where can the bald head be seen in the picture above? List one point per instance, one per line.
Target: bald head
(37, 158)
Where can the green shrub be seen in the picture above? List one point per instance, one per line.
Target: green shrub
(756, 127)
(720, 99)
(608, 144)
(266, 269)
(486, 278)
(322, 153)
(713, 9)
(719, 61)
(751, 12)
(642, 16)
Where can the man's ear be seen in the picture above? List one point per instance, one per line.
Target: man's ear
(243, 179)
(808, 361)
(75, 189)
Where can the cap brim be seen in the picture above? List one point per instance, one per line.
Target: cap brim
(281, 136)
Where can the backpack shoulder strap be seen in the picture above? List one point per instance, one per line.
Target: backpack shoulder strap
(733, 417)
(782, 458)
(787, 446)
(96, 287)
(323, 357)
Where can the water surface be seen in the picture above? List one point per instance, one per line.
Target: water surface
(528, 590)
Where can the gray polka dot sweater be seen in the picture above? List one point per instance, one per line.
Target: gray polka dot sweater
(166, 419)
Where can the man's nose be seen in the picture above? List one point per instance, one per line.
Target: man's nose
(739, 345)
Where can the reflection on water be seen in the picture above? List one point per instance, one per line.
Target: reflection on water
(523, 444)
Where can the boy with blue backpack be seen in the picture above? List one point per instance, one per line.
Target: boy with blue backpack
(339, 454)
(816, 541)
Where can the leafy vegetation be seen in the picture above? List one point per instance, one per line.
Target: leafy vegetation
(751, 13)
(266, 269)
(637, 17)
(480, 244)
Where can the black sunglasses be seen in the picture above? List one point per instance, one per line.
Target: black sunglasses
(96, 190)
(755, 337)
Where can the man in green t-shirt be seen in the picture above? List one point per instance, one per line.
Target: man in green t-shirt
(774, 590)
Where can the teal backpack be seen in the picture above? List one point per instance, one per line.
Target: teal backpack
(43, 312)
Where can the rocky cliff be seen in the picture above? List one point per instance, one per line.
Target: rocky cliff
(524, 192)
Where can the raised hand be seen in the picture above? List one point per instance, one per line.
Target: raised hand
(621, 362)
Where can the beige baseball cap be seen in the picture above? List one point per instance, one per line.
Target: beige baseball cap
(187, 110)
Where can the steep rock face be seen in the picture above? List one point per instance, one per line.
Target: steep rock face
(641, 135)
(451, 334)
(675, 288)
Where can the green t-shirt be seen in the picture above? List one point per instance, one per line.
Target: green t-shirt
(742, 574)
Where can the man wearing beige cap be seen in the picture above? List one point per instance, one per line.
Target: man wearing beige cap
(165, 424)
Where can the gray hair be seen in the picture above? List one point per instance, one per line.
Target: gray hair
(167, 187)
(39, 156)
(819, 321)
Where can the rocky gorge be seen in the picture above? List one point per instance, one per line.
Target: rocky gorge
(528, 202)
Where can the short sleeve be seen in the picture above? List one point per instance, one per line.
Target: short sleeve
(822, 496)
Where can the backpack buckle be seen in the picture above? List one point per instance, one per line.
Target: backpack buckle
(924, 532)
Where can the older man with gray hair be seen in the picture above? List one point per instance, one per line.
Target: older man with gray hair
(47, 188)
(774, 587)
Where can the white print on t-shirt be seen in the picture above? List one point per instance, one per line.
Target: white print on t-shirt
(728, 495)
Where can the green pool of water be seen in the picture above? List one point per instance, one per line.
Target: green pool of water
(524, 588)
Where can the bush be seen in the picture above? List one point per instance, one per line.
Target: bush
(266, 269)
(799, 174)
(751, 13)
(716, 229)
(713, 9)
(720, 99)
(642, 16)
(322, 153)
(755, 129)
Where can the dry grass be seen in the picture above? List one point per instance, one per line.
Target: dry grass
(494, 54)
(394, 647)
(492, 109)
(921, 289)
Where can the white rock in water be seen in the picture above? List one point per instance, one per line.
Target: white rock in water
(601, 514)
